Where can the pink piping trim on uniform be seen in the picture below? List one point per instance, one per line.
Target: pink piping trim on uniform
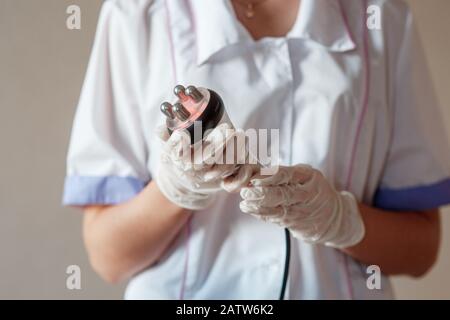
(366, 62)
(171, 42)
(186, 259)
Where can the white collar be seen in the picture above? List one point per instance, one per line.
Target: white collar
(321, 21)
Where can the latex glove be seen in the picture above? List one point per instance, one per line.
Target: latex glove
(191, 179)
(301, 199)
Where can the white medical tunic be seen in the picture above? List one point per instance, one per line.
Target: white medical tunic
(354, 102)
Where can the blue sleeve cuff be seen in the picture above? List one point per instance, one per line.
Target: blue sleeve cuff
(108, 190)
(414, 198)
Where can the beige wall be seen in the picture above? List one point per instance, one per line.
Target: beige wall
(41, 69)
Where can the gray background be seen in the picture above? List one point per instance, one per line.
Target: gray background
(42, 65)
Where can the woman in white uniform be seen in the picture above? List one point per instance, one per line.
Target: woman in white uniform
(364, 159)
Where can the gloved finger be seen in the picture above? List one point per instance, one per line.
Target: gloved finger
(252, 208)
(194, 182)
(233, 157)
(211, 154)
(178, 147)
(220, 134)
(215, 144)
(208, 187)
(271, 215)
(235, 150)
(273, 196)
(198, 163)
(175, 191)
(218, 171)
(230, 170)
(200, 167)
(204, 158)
(270, 219)
(162, 133)
(285, 175)
(296, 215)
(165, 158)
(179, 137)
(220, 131)
(240, 179)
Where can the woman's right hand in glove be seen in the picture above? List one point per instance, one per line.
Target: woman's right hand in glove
(191, 179)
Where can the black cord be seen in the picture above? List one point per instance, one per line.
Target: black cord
(286, 264)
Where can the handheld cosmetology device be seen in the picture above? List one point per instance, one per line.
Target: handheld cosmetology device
(200, 106)
(195, 107)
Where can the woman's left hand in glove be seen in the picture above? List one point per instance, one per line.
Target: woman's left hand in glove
(301, 199)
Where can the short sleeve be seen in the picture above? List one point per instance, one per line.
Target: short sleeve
(106, 162)
(416, 175)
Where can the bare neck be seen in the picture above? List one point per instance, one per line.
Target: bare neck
(272, 18)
